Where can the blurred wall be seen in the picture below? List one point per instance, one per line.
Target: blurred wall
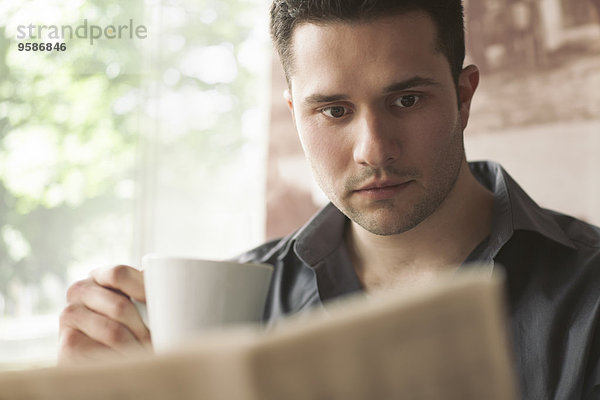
(537, 110)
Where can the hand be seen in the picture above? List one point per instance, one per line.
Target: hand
(100, 318)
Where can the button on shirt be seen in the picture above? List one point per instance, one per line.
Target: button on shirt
(552, 266)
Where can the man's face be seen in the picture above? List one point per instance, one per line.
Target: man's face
(376, 109)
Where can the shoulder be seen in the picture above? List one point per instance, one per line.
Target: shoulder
(582, 234)
(556, 248)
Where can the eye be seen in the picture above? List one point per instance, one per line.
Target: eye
(335, 111)
(407, 101)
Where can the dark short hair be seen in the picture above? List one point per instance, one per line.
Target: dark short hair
(446, 14)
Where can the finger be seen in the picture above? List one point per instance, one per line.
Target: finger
(111, 304)
(74, 345)
(118, 307)
(123, 278)
(99, 328)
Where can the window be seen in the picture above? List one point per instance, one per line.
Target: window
(147, 133)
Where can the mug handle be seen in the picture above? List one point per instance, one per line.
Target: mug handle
(142, 310)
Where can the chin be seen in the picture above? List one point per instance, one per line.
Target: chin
(387, 222)
(387, 229)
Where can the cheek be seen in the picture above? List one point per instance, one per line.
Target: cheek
(446, 150)
(308, 139)
(321, 146)
(327, 156)
(436, 135)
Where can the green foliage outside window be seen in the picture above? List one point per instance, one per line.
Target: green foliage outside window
(75, 126)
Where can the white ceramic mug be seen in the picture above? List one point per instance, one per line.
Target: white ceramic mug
(185, 297)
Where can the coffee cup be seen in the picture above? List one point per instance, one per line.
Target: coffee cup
(186, 297)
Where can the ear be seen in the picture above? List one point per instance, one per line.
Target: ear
(467, 84)
(287, 95)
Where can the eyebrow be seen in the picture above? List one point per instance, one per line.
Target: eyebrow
(322, 98)
(416, 81)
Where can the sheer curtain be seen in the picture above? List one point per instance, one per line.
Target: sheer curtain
(121, 146)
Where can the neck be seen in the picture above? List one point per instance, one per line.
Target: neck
(439, 243)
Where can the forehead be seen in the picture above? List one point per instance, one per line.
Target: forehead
(399, 44)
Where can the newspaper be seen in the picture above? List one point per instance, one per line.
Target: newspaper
(445, 340)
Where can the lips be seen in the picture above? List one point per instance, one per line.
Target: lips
(382, 190)
(381, 185)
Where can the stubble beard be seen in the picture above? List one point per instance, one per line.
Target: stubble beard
(386, 217)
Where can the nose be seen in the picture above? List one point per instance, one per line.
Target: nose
(377, 141)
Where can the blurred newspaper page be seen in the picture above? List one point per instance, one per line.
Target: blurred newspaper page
(446, 340)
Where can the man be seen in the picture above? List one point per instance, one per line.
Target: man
(380, 99)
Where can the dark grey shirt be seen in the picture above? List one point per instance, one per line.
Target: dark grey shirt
(552, 269)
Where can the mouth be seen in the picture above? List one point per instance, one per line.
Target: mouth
(382, 190)
(381, 185)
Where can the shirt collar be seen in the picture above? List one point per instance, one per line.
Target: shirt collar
(320, 245)
(320, 236)
(514, 209)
